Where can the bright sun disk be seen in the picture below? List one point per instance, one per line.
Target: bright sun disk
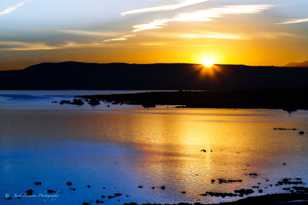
(208, 62)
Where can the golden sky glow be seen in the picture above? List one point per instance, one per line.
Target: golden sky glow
(264, 32)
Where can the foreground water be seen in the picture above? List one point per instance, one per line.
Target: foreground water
(136, 152)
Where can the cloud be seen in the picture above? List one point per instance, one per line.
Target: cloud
(203, 15)
(109, 36)
(169, 7)
(153, 44)
(275, 35)
(89, 33)
(42, 46)
(121, 38)
(212, 35)
(295, 21)
(11, 9)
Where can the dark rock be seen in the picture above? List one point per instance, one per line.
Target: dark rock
(244, 192)
(62, 102)
(29, 192)
(252, 174)
(75, 101)
(78, 102)
(85, 203)
(51, 191)
(99, 201)
(163, 187)
(226, 181)
(302, 190)
(203, 150)
(38, 183)
(69, 183)
(301, 133)
(140, 187)
(94, 102)
(289, 181)
(117, 194)
(285, 129)
(219, 194)
(149, 105)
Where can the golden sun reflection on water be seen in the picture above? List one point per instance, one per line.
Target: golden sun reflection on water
(241, 141)
(167, 143)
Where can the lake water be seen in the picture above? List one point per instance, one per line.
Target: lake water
(117, 150)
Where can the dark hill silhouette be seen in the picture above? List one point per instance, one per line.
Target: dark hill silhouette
(93, 76)
(300, 64)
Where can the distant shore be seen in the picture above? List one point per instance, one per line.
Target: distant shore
(288, 100)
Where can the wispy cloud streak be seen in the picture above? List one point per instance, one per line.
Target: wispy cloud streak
(226, 36)
(89, 33)
(295, 21)
(203, 15)
(43, 46)
(11, 9)
(169, 7)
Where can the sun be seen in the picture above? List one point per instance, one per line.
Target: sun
(208, 62)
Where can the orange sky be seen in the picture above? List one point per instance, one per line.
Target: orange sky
(264, 32)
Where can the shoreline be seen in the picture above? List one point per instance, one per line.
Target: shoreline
(270, 199)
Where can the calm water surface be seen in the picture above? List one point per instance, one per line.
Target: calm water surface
(118, 150)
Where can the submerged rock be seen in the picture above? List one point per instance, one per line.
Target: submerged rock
(8, 197)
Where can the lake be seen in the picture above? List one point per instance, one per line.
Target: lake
(161, 155)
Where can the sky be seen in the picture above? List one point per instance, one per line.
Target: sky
(252, 32)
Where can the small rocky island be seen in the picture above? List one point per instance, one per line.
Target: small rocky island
(288, 100)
